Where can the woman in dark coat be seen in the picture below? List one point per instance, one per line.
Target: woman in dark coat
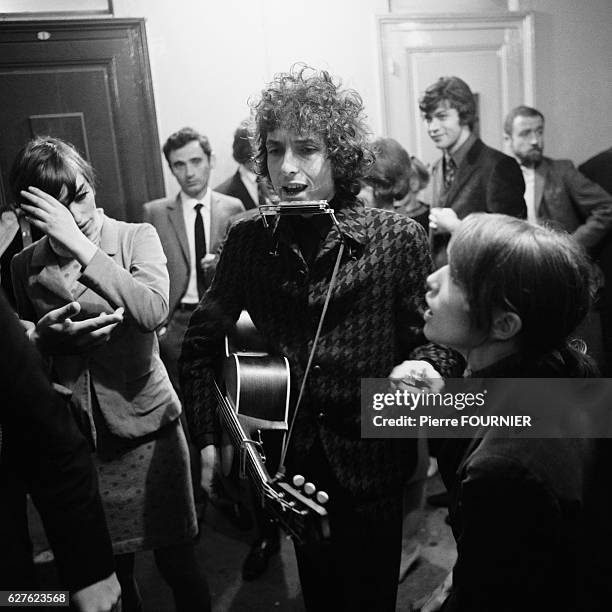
(509, 300)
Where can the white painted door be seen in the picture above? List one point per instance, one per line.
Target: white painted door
(494, 55)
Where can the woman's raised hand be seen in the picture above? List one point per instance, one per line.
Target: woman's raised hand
(55, 219)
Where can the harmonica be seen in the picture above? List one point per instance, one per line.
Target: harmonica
(310, 207)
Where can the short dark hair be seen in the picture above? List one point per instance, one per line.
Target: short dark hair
(309, 100)
(543, 275)
(457, 93)
(520, 111)
(181, 138)
(50, 164)
(242, 149)
(392, 171)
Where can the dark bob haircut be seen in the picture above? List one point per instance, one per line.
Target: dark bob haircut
(520, 111)
(306, 100)
(457, 93)
(543, 275)
(242, 150)
(392, 172)
(49, 164)
(184, 136)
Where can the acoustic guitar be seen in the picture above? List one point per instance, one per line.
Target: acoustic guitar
(254, 397)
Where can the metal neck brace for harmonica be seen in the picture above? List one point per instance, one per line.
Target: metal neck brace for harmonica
(310, 207)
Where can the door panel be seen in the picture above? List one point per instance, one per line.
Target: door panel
(493, 54)
(87, 82)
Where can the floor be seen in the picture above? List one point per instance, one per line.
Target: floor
(222, 549)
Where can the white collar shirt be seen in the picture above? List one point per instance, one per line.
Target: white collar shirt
(529, 177)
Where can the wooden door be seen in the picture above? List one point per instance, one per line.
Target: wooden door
(87, 82)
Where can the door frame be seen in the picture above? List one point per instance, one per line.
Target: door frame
(522, 22)
(134, 30)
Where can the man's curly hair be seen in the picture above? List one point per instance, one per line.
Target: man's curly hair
(306, 100)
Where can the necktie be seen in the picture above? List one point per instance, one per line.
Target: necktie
(449, 171)
(200, 248)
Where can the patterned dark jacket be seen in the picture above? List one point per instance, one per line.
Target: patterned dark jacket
(373, 323)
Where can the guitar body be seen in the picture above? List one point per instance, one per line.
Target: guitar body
(255, 403)
(258, 387)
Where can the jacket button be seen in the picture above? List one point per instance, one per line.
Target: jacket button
(321, 416)
(316, 368)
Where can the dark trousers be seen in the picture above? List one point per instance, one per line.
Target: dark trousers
(16, 565)
(358, 567)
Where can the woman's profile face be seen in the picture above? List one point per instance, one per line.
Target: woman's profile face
(447, 318)
(83, 207)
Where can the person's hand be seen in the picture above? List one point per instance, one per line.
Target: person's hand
(56, 221)
(443, 220)
(56, 333)
(209, 459)
(208, 263)
(102, 596)
(415, 376)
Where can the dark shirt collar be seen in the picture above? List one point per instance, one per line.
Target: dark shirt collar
(460, 154)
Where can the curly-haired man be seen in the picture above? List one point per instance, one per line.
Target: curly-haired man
(310, 142)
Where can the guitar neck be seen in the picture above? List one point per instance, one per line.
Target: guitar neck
(241, 441)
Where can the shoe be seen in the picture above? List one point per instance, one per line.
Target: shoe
(439, 500)
(258, 558)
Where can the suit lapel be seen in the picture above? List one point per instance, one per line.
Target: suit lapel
(217, 223)
(175, 216)
(465, 171)
(50, 276)
(540, 181)
(242, 191)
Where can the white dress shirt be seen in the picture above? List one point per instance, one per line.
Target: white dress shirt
(189, 214)
(529, 176)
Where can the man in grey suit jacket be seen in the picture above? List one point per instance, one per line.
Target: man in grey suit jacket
(190, 158)
(470, 176)
(558, 194)
(556, 191)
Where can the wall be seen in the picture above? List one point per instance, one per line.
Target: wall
(206, 62)
(207, 58)
(573, 48)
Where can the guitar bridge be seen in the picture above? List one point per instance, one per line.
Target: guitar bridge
(257, 444)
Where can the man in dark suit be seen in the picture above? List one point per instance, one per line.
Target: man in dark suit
(281, 273)
(558, 194)
(599, 169)
(190, 250)
(243, 183)
(470, 176)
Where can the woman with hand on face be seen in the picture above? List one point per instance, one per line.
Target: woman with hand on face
(508, 300)
(91, 264)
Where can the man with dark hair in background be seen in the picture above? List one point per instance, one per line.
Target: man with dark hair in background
(470, 176)
(311, 142)
(191, 226)
(243, 183)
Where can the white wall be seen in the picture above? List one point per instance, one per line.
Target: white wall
(207, 58)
